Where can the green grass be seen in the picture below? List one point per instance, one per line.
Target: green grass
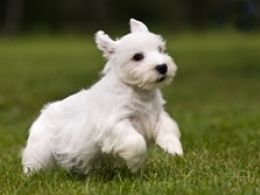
(215, 98)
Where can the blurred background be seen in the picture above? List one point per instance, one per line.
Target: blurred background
(21, 16)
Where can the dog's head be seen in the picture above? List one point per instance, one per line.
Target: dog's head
(138, 58)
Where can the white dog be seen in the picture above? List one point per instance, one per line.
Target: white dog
(118, 115)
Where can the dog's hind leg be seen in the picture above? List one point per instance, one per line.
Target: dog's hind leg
(37, 154)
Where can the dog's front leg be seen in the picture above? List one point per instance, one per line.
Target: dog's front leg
(167, 135)
(124, 141)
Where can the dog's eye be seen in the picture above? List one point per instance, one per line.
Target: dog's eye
(138, 57)
(160, 49)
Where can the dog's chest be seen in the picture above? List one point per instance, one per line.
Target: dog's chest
(144, 117)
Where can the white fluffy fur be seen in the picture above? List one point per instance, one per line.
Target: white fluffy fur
(116, 116)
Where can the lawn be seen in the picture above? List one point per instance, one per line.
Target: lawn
(215, 98)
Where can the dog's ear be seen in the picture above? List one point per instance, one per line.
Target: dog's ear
(137, 26)
(105, 43)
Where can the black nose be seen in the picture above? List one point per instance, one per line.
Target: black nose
(162, 68)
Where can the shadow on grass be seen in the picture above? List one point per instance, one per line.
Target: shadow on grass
(106, 174)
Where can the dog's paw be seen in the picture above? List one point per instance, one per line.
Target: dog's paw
(172, 146)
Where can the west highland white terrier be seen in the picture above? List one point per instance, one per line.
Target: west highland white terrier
(117, 116)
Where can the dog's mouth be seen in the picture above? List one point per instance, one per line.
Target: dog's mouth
(161, 78)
